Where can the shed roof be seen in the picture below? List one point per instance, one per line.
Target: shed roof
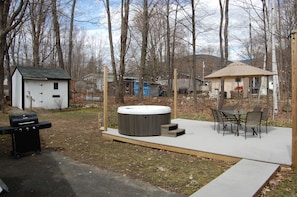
(43, 73)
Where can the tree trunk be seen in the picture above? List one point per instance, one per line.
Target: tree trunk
(2, 56)
(144, 32)
(221, 34)
(173, 43)
(265, 14)
(8, 76)
(57, 33)
(220, 96)
(168, 59)
(114, 69)
(37, 19)
(194, 57)
(70, 44)
(123, 52)
(283, 89)
(223, 50)
(226, 40)
(8, 23)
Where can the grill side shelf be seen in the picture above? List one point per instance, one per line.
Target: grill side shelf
(44, 125)
(6, 130)
(9, 130)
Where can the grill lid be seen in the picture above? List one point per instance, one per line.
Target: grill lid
(23, 119)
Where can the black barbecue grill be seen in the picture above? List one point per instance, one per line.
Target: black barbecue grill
(24, 130)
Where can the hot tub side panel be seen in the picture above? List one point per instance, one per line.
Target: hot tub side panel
(142, 125)
(126, 124)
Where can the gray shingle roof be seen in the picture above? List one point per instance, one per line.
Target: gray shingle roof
(43, 73)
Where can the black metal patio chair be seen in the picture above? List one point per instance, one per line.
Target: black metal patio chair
(216, 119)
(253, 121)
(265, 116)
(220, 120)
(227, 119)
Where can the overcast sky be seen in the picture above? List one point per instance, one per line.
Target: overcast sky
(93, 10)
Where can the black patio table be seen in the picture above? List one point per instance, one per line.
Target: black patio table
(237, 113)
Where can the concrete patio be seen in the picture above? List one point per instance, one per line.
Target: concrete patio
(273, 147)
(257, 158)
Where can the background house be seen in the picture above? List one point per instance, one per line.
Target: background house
(40, 87)
(93, 83)
(185, 84)
(96, 81)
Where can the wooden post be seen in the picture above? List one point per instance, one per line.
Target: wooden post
(175, 92)
(105, 99)
(294, 96)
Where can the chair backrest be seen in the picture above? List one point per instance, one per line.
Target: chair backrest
(265, 114)
(228, 117)
(220, 116)
(217, 116)
(253, 118)
(257, 108)
(214, 114)
(227, 107)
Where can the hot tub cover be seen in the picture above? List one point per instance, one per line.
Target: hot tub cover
(144, 109)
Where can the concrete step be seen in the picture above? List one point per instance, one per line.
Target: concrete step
(244, 179)
(174, 133)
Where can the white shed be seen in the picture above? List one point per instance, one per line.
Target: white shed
(40, 87)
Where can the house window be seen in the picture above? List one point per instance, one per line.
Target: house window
(56, 86)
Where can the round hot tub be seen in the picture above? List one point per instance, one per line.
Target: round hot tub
(143, 120)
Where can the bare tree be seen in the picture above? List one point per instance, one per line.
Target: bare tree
(144, 33)
(119, 76)
(174, 41)
(265, 14)
(9, 19)
(171, 39)
(223, 50)
(112, 57)
(79, 55)
(288, 23)
(168, 47)
(221, 33)
(97, 48)
(155, 46)
(70, 44)
(10, 59)
(194, 70)
(38, 13)
(190, 23)
(57, 34)
(124, 35)
(226, 37)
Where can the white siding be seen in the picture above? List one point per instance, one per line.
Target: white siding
(17, 90)
(45, 96)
